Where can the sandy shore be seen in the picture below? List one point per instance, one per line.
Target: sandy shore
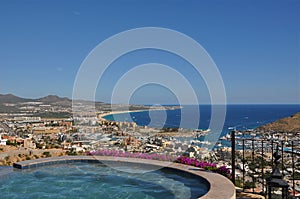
(102, 115)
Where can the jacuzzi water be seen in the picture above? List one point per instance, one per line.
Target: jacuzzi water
(82, 180)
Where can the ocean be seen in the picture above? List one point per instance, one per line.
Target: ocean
(241, 117)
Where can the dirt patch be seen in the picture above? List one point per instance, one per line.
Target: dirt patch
(10, 154)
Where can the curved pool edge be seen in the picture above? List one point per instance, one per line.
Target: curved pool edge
(220, 186)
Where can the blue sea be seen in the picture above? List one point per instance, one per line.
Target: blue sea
(241, 117)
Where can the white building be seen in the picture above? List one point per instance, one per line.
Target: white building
(27, 119)
(2, 141)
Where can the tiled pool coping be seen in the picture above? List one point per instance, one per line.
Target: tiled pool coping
(220, 187)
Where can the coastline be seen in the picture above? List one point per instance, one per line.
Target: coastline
(102, 115)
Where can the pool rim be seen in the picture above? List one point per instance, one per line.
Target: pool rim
(219, 186)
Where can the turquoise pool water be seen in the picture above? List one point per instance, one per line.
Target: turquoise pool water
(82, 180)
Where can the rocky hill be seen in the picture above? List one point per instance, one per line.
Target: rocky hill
(53, 99)
(288, 124)
(12, 104)
(9, 98)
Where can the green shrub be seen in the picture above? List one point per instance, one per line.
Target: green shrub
(47, 154)
(249, 185)
(11, 143)
(7, 158)
(71, 153)
(238, 183)
(39, 145)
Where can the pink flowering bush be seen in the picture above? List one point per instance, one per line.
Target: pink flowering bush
(223, 170)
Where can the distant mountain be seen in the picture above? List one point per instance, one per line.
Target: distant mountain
(49, 99)
(9, 98)
(53, 99)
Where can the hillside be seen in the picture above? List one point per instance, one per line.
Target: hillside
(12, 104)
(288, 124)
(9, 98)
(53, 99)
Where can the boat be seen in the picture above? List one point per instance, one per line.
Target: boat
(219, 144)
(195, 142)
(253, 134)
(226, 137)
(199, 132)
(205, 142)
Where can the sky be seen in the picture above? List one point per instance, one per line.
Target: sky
(255, 45)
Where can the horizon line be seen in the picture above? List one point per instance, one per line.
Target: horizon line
(164, 104)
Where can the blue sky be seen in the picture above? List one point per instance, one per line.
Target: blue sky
(255, 44)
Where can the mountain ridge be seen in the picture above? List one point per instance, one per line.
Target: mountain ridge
(10, 98)
(53, 98)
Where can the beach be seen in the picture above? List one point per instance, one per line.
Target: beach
(102, 115)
